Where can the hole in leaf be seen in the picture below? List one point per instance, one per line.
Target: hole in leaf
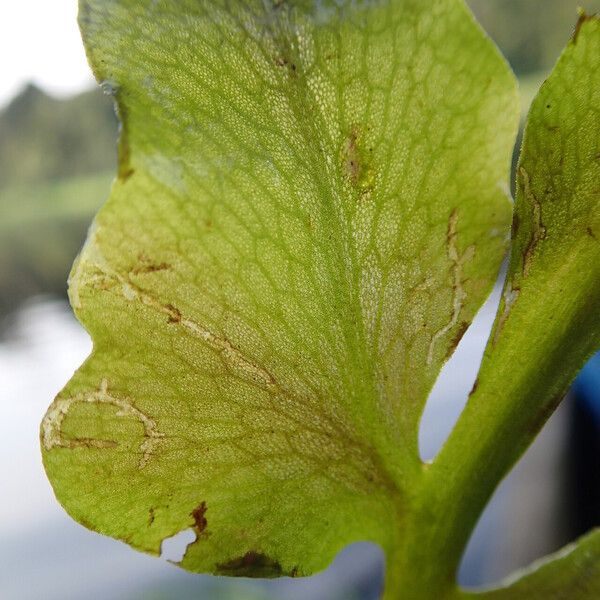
(528, 515)
(450, 393)
(173, 548)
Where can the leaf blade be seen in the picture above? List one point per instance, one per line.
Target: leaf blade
(573, 573)
(273, 169)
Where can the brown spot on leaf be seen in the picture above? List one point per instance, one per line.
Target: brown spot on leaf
(475, 386)
(545, 413)
(126, 173)
(351, 157)
(86, 442)
(174, 315)
(282, 61)
(591, 233)
(515, 224)
(356, 163)
(199, 516)
(462, 328)
(148, 266)
(151, 517)
(538, 233)
(252, 564)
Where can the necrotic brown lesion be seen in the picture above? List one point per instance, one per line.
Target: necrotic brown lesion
(252, 564)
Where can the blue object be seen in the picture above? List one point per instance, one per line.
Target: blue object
(587, 388)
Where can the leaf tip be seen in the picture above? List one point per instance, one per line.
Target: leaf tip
(583, 19)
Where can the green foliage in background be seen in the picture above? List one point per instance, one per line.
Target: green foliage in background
(311, 205)
(42, 226)
(56, 158)
(44, 139)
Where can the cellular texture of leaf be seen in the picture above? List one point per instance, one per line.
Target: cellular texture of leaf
(311, 206)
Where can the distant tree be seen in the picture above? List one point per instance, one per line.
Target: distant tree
(43, 138)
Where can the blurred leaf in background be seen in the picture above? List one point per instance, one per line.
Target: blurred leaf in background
(530, 33)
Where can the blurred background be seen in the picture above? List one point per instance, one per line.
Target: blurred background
(57, 156)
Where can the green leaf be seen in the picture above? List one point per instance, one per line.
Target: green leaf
(571, 574)
(311, 206)
(548, 323)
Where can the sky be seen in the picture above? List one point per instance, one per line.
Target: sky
(40, 42)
